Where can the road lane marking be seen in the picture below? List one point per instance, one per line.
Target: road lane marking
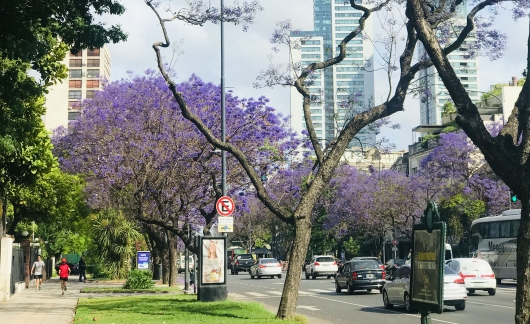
(323, 290)
(234, 295)
(304, 293)
(312, 308)
(490, 304)
(277, 293)
(278, 283)
(255, 294)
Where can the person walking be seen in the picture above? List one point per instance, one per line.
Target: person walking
(82, 269)
(64, 272)
(37, 270)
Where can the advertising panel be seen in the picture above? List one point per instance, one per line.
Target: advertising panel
(142, 260)
(426, 267)
(213, 260)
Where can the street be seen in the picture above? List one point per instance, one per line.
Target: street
(318, 299)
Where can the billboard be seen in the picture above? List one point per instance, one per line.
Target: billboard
(142, 260)
(213, 260)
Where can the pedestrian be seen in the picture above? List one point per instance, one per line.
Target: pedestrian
(82, 270)
(37, 270)
(64, 272)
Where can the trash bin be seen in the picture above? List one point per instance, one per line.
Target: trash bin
(157, 272)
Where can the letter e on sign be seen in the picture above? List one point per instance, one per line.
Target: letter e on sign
(225, 206)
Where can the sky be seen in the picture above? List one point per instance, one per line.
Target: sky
(248, 53)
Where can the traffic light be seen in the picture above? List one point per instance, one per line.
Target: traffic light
(513, 196)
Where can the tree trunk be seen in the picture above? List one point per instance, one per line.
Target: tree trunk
(172, 246)
(522, 304)
(16, 219)
(3, 212)
(289, 298)
(164, 257)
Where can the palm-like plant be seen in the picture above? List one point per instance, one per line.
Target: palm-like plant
(114, 236)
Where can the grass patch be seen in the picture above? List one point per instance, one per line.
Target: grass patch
(172, 309)
(121, 290)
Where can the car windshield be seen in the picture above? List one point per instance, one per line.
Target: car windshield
(244, 256)
(367, 264)
(269, 261)
(448, 270)
(325, 259)
(474, 265)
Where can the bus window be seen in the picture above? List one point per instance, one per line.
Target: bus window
(505, 229)
(494, 230)
(484, 230)
(514, 228)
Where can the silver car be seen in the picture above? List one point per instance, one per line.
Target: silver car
(266, 267)
(396, 291)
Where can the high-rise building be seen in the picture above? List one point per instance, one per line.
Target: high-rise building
(343, 90)
(87, 70)
(466, 68)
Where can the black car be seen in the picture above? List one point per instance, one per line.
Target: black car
(74, 268)
(360, 275)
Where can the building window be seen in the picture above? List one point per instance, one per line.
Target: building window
(92, 73)
(75, 63)
(74, 83)
(78, 54)
(74, 94)
(94, 52)
(90, 94)
(74, 105)
(92, 83)
(73, 115)
(92, 63)
(75, 74)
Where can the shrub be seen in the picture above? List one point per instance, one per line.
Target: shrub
(139, 279)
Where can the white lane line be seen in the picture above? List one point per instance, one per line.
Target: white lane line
(234, 295)
(490, 305)
(277, 293)
(389, 311)
(323, 290)
(304, 293)
(278, 283)
(255, 294)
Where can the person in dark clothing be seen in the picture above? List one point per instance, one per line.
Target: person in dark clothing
(82, 269)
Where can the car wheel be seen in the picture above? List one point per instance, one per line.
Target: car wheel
(259, 276)
(498, 281)
(350, 288)
(306, 275)
(338, 289)
(236, 273)
(460, 307)
(471, 291)
(381, 290)
(279, 276)
(369, 290)
(406, 301)
(492, 292)
(232, 272)
(313, 276)
(386, 302)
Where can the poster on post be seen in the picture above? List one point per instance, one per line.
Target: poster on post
(213, 260)
(142, 260)
(426, 266)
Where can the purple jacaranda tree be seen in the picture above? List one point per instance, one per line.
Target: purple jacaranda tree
(140, 155)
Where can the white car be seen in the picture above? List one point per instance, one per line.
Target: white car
(396, 290)
(320, 266)
(477, 274)
(266, 267)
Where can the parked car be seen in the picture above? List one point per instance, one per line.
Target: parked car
(477, 274)
(74, 268)
(376, 259)
(396, 291)
(360, 274)
(181, 263)
(242, 262)
(266, 267)
(321, 266)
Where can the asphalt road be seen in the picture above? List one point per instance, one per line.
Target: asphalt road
(318, 299)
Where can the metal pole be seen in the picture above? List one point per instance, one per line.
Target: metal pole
(223, 109)
(187, 266)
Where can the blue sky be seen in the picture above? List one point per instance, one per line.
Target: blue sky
(247, 53)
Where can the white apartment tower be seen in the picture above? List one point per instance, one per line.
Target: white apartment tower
(466, 69)
(342, 90)
(87, 70)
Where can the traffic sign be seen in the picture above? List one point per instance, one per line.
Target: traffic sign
(225, 206)
(394, 242)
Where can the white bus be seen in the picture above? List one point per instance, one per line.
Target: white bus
(494, 239)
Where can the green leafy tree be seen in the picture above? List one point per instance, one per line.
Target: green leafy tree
(113, 241)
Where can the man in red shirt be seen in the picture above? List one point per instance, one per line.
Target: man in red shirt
(64, 272)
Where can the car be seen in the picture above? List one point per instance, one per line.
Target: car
(376, 259)
(266, 267)
(477, 274)
(242, 262)
(321, 266)
(396, 290)
(360, 275)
